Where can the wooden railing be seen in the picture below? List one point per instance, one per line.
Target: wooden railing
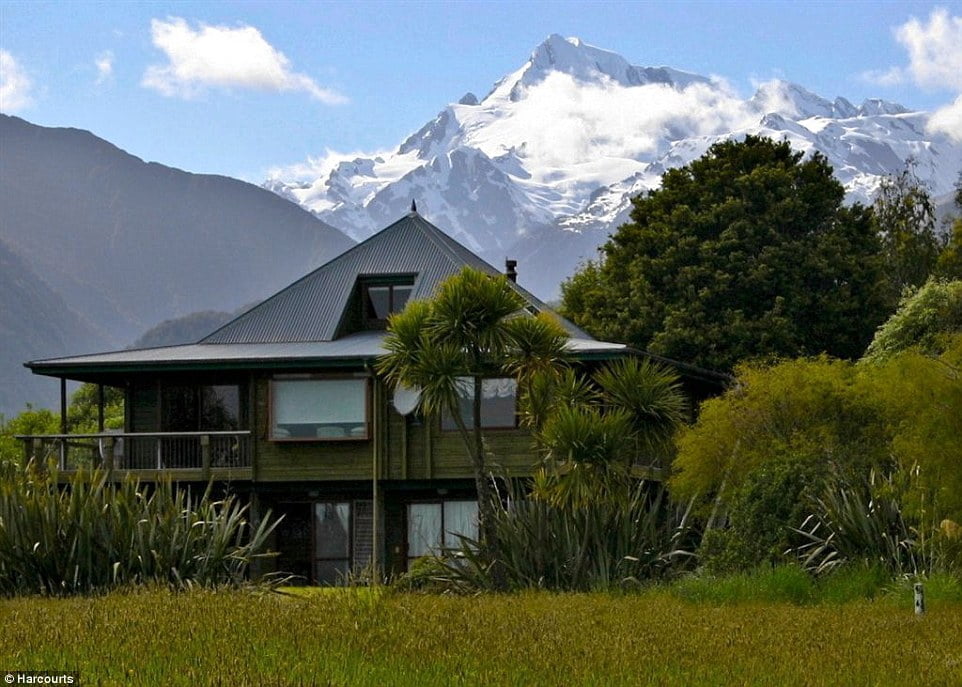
(204, 452)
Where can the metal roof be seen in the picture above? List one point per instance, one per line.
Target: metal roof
(298, 325)
(357, 348)
(311, 308)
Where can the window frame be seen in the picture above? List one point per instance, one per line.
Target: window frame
(408, 558)
(389, 281)
(484, 428)
(315, 559)
(271, 396)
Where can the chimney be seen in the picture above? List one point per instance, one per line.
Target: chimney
(510, 270)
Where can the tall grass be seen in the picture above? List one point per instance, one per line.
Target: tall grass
(93, 534)
(597, 545)
(354, 637)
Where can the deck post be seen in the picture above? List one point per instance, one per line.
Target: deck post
(108, 457)
(205, 455)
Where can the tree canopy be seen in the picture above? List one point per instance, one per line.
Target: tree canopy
(926, 319)
(745, 252)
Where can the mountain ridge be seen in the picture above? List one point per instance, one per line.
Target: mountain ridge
(557, 147)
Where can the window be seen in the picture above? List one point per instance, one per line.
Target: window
(200, 408)
(499, 404)
(380, 299)
(319, 409)
(433, 526)
(332, 542)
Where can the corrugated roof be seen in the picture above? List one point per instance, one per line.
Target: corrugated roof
(311, 308)
(361, 347)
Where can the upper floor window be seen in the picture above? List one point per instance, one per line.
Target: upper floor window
(325, 409)
(192, 408)
(382, 297)
(499, 404)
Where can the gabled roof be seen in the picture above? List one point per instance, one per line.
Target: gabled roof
(311, 308)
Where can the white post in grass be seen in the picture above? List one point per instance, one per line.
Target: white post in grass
(919, 599)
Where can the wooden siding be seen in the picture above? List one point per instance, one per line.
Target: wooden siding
(408, 448)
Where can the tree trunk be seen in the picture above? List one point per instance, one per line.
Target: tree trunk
(487, 496)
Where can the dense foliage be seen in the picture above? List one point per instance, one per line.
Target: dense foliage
(802, 437)
(94, 534)
(747, 251)
(927, 318)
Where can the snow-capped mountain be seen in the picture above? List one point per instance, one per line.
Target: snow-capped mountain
(542, 168)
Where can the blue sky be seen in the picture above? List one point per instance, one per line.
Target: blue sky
(159, 79)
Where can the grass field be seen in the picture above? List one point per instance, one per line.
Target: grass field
(356, 637)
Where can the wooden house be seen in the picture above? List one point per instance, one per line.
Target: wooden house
(282, 405)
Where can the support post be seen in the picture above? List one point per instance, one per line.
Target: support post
(375, 485)
(100, 408)
(205, 455)
(63, 422)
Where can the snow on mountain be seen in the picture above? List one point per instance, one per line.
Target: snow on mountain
(543, 167)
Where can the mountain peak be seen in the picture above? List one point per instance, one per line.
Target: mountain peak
(585, 63)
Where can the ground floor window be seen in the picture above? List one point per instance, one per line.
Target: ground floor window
(436, 525)
(332, 541)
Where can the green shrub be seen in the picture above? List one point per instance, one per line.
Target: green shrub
(93, 534)
(784, 583)
(761, 517)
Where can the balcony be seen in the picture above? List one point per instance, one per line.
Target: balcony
(180, 456)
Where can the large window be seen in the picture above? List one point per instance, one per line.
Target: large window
(499, 404)
(319, 409)
(433, 526)
(200, 408)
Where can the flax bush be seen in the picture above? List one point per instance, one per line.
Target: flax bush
(603, 544)
(93, 534)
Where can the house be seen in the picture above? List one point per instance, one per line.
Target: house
(282, 406)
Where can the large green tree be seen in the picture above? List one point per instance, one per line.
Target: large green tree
(747, 251)
(905, 215)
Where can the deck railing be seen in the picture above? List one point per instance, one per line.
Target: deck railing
(202, 451)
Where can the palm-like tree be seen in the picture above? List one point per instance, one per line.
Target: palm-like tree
(594, 431)
(472, 328)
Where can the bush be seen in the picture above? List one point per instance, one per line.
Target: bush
(93, 534)
(762, 513)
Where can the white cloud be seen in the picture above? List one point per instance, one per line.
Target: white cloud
(105, 66)
(935, 50)
(15, 85)
(562, 122)
(223, 57)
(892, 76)
(935, 62)
(948, 120)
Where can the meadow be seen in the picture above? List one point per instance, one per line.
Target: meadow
(675, 635)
